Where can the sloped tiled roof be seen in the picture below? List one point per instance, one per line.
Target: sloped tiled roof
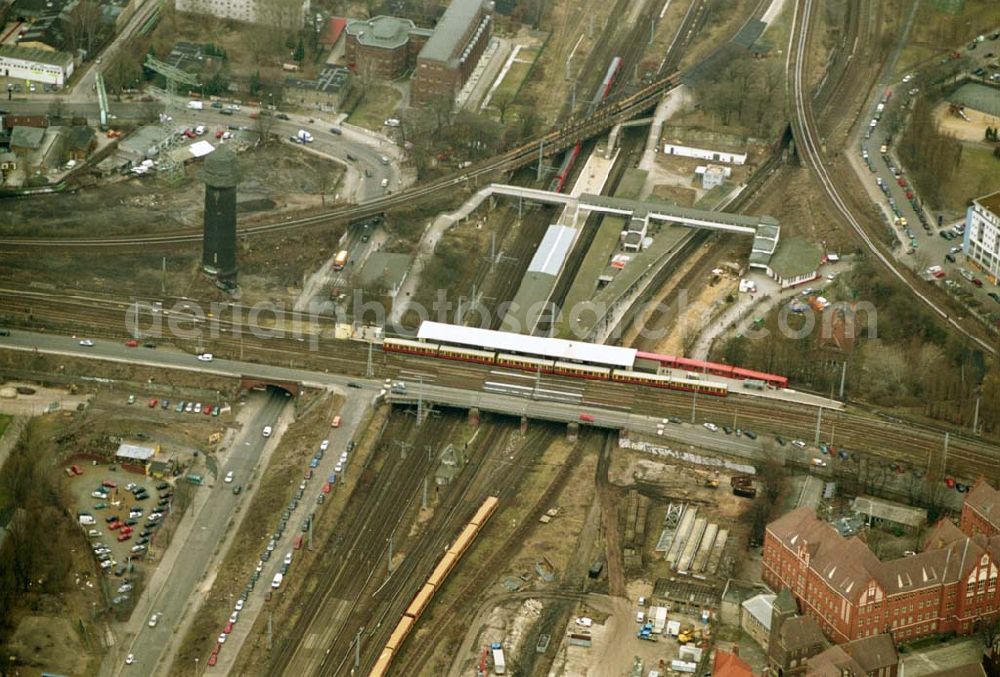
(834, 662)
(873, 653)
(985, 500)
(846, 565)
(800, 632)
(801, 526)
(941, 534)
(730, 665)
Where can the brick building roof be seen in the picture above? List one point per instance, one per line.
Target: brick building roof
(834, 662)
(985, 500)
(730, 665)
(847, 565)
(800, 632)
(941, 534)
(873, 653)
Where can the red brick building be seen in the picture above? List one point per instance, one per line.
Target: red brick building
(950, 586)
(452, 52)
(981, 510)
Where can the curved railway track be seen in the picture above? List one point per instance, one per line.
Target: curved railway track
(810, 149)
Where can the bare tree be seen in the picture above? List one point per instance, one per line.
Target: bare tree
(84, 25)
(263, 126)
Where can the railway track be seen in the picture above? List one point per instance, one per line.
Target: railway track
(855, 428)
(379, 502)
(414, 657)
(573, 130)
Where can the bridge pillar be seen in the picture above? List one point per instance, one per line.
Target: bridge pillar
(572, 431)
(474, 416)
(524, 425)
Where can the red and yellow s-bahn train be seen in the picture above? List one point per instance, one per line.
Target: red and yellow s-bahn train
(434, 581)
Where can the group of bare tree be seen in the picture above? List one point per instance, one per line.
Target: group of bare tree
(931, 155)
(33, 559)
(745, 92)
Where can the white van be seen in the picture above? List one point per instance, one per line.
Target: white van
(276, 583)
(385, 183)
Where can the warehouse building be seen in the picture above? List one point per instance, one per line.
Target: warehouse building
(35, 65)
(326, 93)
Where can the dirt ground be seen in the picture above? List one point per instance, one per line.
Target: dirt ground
(279, 173)
(37, 402)
(973, 130)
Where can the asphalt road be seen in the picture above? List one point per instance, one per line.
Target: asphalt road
(189, 567)
(364, 148)
(918, 240)
(352, 415)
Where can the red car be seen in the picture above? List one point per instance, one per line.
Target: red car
(75, 469)
(109, 484)
(213, 659)
(114, 526)
(949, 482)
(309, 473)
(124, 537)
(219, 133)
(228, 629)
(152, 403)
(901, 181)
(587, 418)
(131, 343)
(939, 274)
(326, 487)
(909, 195)
(976, 281)
(207, 410)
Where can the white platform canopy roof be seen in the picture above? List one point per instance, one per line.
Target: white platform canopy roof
(557, 349)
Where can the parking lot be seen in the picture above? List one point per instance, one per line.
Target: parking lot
(121, 512)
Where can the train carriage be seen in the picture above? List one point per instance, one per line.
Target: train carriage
(525, 362)
(464, 539)
(399, 345)
(581, 370)
(398, 635)
(381, 666)
(670, 382)
(485, 510)
(442, 569)
(467, 354)
(419, 602)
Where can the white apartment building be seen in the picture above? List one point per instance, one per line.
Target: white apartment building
(982, 234)
(288, 14)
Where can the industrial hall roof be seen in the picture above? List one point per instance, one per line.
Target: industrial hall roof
(558, 349)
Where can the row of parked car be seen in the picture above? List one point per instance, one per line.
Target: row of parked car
(279, 531)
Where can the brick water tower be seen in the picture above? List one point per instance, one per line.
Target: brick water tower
(220, 174)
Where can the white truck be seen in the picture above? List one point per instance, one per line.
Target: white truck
(304, 136)
(196, 105)
(499, 664)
